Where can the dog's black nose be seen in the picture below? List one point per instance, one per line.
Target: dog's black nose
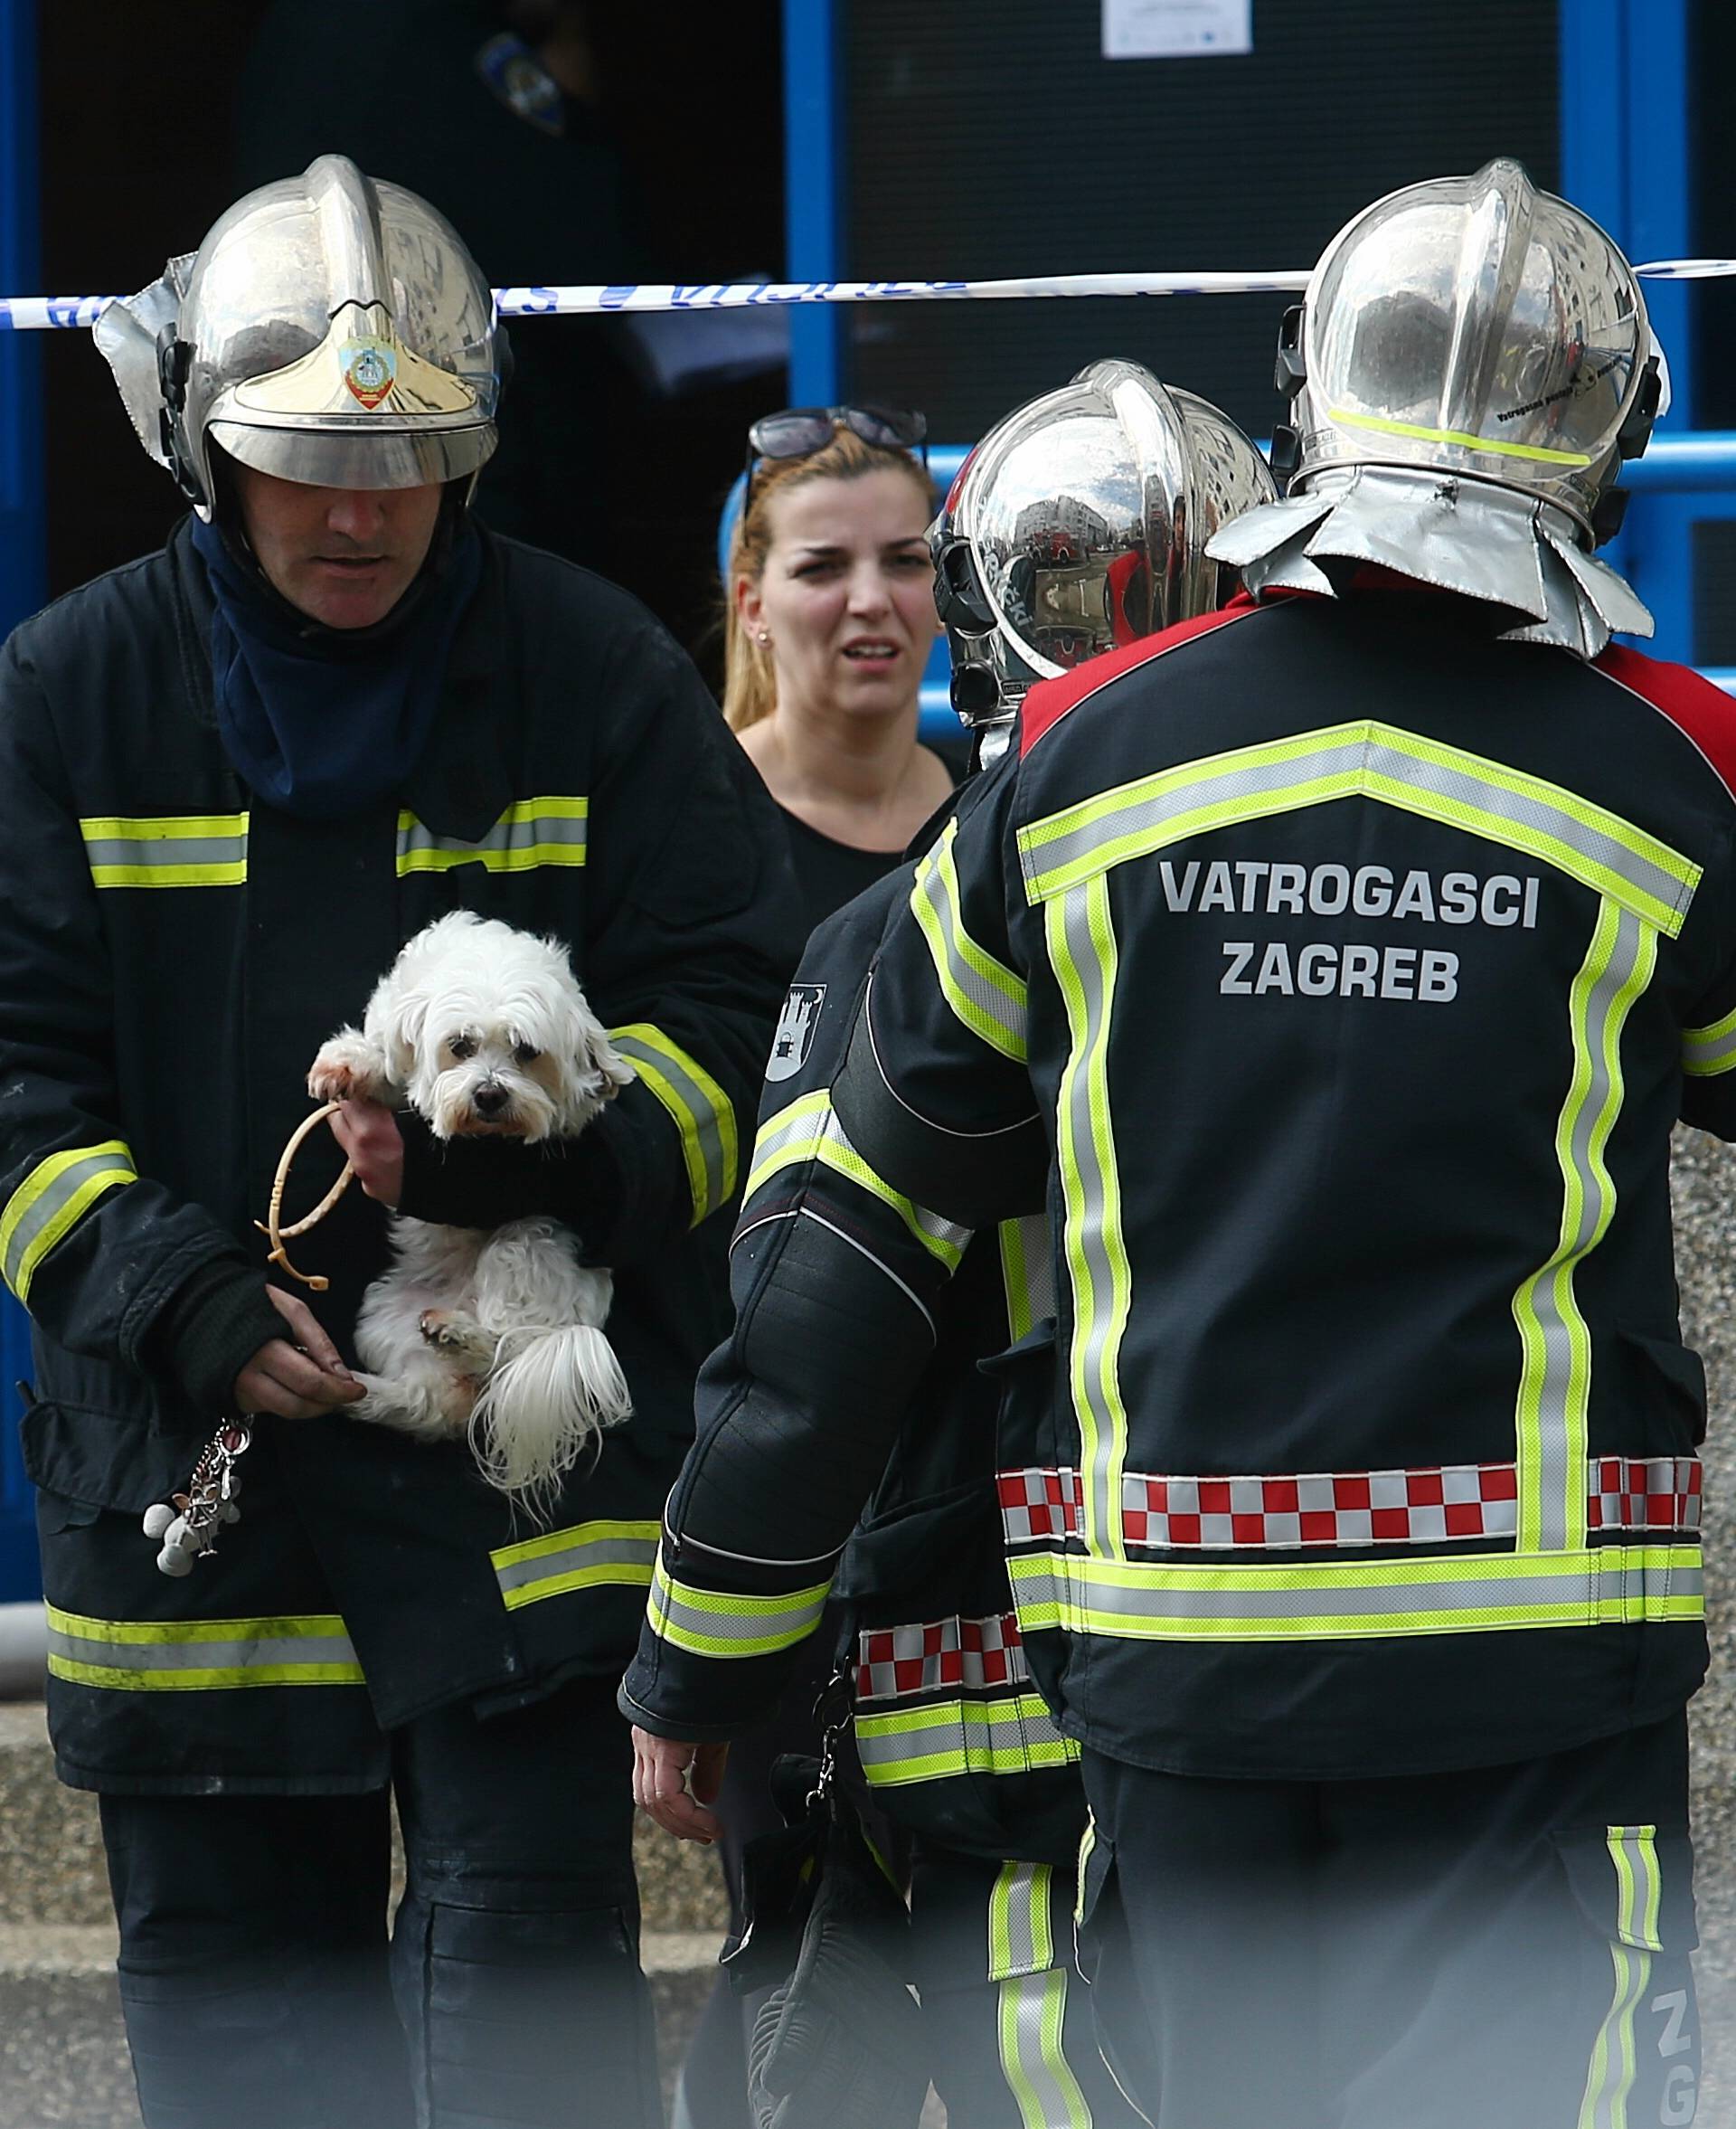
(489, 1100)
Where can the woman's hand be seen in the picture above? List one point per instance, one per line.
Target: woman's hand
(675, 1782)
(369, 1134)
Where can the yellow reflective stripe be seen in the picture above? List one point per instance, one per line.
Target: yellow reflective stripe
(1086, 1842)
(700, 1110)
(1020, 1939)
(717, 1623)
(1555, 1376)
(1082, 948)
(51, 1200)
(1032, 2022)
(199, 1655)
(166, 850)
(530, 834)
(809, 1129)
(1707, 1051)
(1499, 446)
(1640, 1884)
(1366, 759)
(1011, 1734)
(1027, 1273)
(1614, 2065)
(584, 1555)
(984, 993)
(1358, 1600)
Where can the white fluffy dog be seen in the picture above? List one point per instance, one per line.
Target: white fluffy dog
(484, 1031)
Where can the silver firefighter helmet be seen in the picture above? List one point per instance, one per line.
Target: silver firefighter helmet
(1468, 369)
(1079, 525)
(331, 329)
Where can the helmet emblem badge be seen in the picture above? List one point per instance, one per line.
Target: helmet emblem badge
(370, 369)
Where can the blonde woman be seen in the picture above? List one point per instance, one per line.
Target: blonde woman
(829, 616)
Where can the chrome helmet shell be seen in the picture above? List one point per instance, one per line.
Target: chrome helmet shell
(1478, 327)
(331, 329)
(1078, 523)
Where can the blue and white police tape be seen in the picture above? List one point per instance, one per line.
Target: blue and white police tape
(24, 314)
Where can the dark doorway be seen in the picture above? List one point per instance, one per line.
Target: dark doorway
(153, 125)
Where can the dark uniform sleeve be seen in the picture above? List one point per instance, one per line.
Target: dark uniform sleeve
(93, 1248)
(934, 1090)
(1709, 1064)
(693, 931)
(836, 1277)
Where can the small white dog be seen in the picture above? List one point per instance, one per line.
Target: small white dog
(484, 1031)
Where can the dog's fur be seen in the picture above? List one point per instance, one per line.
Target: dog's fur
(484, 1031)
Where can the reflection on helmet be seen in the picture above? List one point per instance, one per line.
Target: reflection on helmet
(330, 329)
(1078, 523)
(1477, 326)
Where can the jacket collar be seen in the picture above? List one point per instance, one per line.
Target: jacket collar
(463, 782)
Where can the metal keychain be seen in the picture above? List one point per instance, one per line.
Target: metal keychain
(186, 1525)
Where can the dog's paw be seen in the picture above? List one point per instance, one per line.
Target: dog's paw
(459, 1334)
(346, 1070)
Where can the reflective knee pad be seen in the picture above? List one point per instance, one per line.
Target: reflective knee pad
(521, 2011)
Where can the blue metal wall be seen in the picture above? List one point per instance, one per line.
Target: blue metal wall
(22, 590)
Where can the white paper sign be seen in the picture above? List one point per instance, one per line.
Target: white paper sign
(1177, 29)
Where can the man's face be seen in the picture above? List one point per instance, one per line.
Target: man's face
(345, 556)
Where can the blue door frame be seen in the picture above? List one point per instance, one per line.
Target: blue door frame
(21, 591)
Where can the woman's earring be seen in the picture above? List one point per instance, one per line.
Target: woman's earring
(764, 635)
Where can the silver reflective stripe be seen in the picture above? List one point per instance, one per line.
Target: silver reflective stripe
(1369, 760)
(1020, 1939)
(810, 1130)
(584, 1557)
(694, 1104)
(1708, 1051)
(1614, 1585)
(1082, 950)
(1007, 1734)
(199, 1655)
(985, 994)
(1555, 1382)
(1032, 2024)
(531, 833)
(716, 1623)
(1614, 2065)
(1027, 1272)
(51, 1200)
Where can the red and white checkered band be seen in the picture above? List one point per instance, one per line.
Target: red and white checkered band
(1039, 1504)
(1654, 1493)
(1428, 1506)
(896, 1660)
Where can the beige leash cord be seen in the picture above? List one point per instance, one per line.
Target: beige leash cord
(271, 1225)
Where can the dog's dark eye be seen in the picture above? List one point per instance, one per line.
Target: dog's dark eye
(525, 1053)
(462, 1047)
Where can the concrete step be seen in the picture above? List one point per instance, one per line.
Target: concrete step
(51, 1850)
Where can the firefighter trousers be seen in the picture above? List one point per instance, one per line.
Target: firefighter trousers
(260, 1984)
(1503, 1946)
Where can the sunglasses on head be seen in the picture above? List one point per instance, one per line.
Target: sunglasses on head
(797, 432)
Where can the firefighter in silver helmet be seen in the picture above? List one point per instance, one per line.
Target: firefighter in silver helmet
(1075, 527)
(1340, 964)
(235, 779)
(1079, 525)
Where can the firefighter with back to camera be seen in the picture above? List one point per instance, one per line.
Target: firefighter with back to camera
(237, 776)
(1340, 965)
(1077, 525)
